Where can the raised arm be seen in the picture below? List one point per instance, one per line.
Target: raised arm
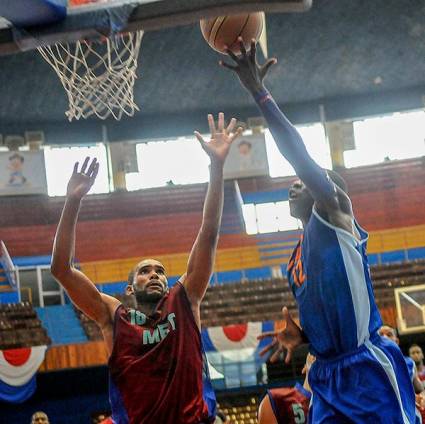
(80, 289)
(286, 136)
(201, 259)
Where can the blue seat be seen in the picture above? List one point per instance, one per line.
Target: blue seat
(394, 256)
(229, 276)
(416, 253)
(258, 273)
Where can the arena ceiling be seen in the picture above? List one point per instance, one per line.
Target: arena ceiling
(356, 57)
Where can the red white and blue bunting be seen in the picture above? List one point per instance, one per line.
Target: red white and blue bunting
(234, 350)
(17, 372)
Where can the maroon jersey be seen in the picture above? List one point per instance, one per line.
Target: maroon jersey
(290, 405)
(156, 366)
(421, 374)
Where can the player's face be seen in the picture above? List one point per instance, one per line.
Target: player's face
(150, 281)
(389, 333)
(244, 149)
(416, 354)
(300, 200)
(16, 164)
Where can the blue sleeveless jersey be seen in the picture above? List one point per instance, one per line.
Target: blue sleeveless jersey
(329, 275)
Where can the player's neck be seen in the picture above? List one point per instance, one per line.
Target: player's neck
(305, 217)
(147, 308)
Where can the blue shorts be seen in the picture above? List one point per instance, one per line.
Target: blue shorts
(371, 385)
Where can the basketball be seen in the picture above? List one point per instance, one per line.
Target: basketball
(224, 30)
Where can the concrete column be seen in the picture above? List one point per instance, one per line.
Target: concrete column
(341, 138)
(34, 145)
(123, 160)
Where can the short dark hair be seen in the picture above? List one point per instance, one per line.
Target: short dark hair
(415, 345)
(338, 180)
(244, 142)
(392, 328)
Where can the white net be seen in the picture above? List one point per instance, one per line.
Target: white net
(98, 76)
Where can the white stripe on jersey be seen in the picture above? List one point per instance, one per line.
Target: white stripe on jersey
(353, 263)
(389, 370)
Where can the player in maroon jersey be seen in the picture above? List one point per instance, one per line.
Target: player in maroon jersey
(156, 359)
(287, 405)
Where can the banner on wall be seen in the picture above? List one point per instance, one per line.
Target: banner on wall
(247, 158)
(18, 368)
(22, 173)
(234, 350)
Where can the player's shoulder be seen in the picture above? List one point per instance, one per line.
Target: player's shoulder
(110, 300)
(282, 392)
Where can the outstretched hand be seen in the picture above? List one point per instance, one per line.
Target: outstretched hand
(221, 138)
(250, 73)
(81, 181)
(286, 340)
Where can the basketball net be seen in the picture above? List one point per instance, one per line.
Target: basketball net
(98, 76)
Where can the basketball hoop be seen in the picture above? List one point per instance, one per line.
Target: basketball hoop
(98, 76)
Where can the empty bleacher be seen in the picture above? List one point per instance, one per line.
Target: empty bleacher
(240, 409)
(262, 300)
(62, 325)
(91, 329)
(20, 327)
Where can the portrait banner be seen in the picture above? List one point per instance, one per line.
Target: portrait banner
(247, 158)
(22, 173)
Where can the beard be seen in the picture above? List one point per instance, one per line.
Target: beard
(143, 297)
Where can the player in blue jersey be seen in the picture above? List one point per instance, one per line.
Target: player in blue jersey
(358, 377)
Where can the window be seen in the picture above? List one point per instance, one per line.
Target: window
(315, 142)
(60, 163)
(180, 161)
(268, 217)
(396, 136)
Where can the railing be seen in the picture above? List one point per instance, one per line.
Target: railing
(8, 266)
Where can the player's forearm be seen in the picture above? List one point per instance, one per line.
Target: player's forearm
(213, 206)
(64, 244)
(292, 147)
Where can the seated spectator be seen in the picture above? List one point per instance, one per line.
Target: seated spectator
(391, 333)
(416, 353)
(39, 417)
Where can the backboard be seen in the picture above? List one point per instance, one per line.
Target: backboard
(86, 19)
(410, 304)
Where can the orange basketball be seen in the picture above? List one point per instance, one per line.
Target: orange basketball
(225, 30)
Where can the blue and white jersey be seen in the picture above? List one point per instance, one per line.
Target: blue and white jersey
(329, 275)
